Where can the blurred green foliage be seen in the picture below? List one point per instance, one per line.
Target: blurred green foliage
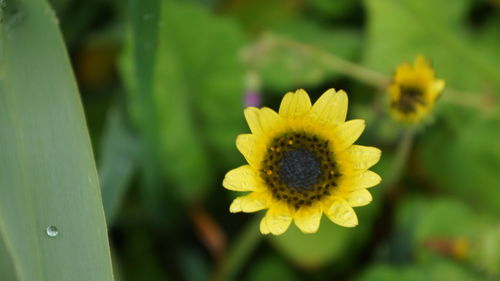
(174, 96)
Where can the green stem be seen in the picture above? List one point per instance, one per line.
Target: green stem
(402, 155)
(363, 74)
(336, 63)
(247, 240)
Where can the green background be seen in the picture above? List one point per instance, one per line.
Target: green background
(160, 87)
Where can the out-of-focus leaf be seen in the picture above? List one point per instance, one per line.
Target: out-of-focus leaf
(440, 218)
(437, 271)
(485, 252)
(328, 9)
(52, 224)
(119, 159)
(285, 66)
(194, 265)
(77, 17)
(400, 30)
(464, 161)
(59, 5)
(331, 244)
(140, 260)
(315, 250)
(439, 224)
(193, 112)
(138, 64)
(210, 76)
(270, 268)
(259, 15)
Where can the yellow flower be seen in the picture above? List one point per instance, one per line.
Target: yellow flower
(414, 91)
(302, 163)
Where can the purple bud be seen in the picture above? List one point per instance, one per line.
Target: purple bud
(252, 98)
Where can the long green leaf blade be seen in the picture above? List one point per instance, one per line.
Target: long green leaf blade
(47, 171)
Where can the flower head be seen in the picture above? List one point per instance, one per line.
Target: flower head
(414, 91)
(302, 163)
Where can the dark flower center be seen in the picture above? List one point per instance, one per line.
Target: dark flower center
(299, 168)
(409, 98)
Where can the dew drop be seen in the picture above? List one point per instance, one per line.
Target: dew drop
(52, 231)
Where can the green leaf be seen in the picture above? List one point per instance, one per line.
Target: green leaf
(259, 15)
(333, 9)
(47, 171)
(437, 271)
(194, 264)
(331, 244)
(445, 220)
(193, 111)
(285, 66)
(210, 75)
(438, 218)
(140, 258)
(7, 266)
(119, 159)
(400, 30)
(464, 161)
(270, 268)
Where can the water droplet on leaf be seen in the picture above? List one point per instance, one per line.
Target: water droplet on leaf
(52, 231)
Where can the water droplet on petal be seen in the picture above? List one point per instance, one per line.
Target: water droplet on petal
(52, 231)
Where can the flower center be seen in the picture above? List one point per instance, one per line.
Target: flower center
(409, 98)
(299, 168)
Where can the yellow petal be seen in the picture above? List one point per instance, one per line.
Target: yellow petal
(403, 72)
(252, 117)
(366, 179)
(437, 87)
(307, 219)
(250, 203)
(362, 157)
(269, 119)
(263, 226)
(330, 109)
(347, 133)
(422, 63)
(243, 178)
(341, 213)
(359, 197)
(248, 145)
(277, 219)
(295, 104)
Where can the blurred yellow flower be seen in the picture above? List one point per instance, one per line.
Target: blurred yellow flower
(302, 163)
(414, 91)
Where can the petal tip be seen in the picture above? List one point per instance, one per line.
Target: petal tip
(376, 179)
(301, 91)
(235, 207)
(264, 229)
